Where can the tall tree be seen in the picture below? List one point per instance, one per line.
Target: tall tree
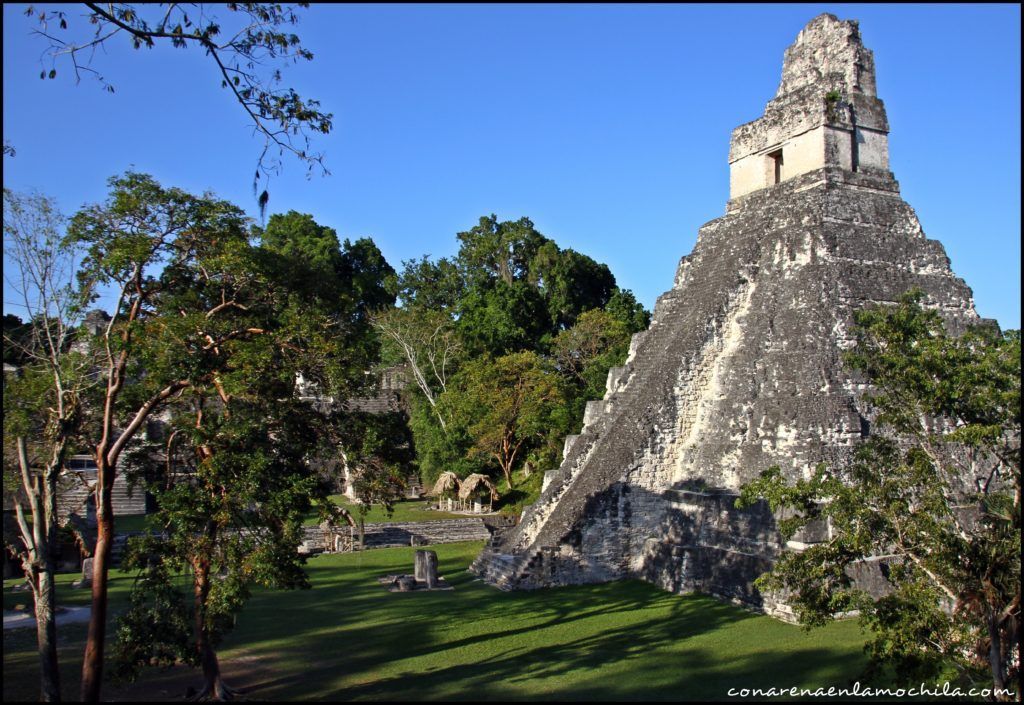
(508, 405)
(570, 283)
(498, 251)
(508, 290)
(148, 356)
(585, 352)
(244, 44)
(42, 400)
(230, 503)
(502, 318)
(938, 493)
(245, 439)
(427, 342)
(350, 280)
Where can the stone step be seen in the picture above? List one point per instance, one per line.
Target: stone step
(394, 534)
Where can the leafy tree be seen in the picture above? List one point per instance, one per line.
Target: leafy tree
(243, 47)
(310, 249)
(230, 505)
(150, 355)
(570, 283)
(350, 279)
(585, 352)
(493, 251)
(377, 449)
(624, 306)
(508, 406)
(42, 400)
(239, 471)
(371, 281)
(427, 285)
(502, 318)
(520, 288)
(939, 494)
(356, 275)
(441, 449)
(508, 290)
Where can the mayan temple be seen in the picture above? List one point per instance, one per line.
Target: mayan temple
(741, 367)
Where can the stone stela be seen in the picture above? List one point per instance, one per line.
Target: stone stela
(424, 576)
(741, 367)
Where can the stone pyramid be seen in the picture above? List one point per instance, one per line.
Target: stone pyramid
(741, 367)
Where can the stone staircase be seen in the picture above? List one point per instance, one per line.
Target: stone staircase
(617, 426)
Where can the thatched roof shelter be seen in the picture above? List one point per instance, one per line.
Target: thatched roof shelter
(475, 484)
(447, 484)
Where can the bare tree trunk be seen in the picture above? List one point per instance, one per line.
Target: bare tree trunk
(37, 561)
(46, 596)
(214, 688)
(92, 664)
(46, 619)
(46, 633)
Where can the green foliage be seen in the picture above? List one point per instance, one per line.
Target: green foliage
(624, 306)
(525, 491)
(501, 318)
(585, 352)
(344, 282)
(508, 406)
(228, 324)
(509, 291)
(941, 497)
(378, 449)
(520, 289)
(438, 449)
(570, 283)
(155, 629)
(493, 251)
(430, 286)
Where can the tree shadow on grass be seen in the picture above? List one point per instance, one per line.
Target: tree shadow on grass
(598, 642)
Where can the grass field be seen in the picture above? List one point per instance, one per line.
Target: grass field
(348, 638)
(409, 510)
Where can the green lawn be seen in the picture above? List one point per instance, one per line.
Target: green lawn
(410, 510)
(347, 638)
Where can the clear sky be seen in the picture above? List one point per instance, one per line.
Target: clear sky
(607, 125)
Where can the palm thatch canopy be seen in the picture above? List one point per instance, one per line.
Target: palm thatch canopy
(447, 483)
(476, 483)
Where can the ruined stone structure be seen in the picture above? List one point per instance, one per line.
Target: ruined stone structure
(741, 367)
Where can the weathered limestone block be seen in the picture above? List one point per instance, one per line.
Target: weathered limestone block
(86, 580)
(741, 368)
(566, 447)
(425, 568)
(616, 378)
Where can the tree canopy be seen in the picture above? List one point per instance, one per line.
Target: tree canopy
(511, 299)
(936, 490)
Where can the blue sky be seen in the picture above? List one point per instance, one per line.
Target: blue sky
(607, 125)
